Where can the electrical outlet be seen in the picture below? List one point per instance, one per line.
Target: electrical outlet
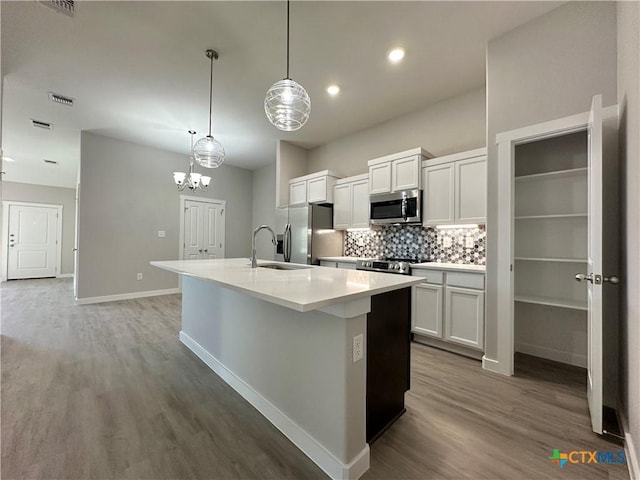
(468, 241)
(358, 348)
(162, 234)
(139, 276)
(446, 242)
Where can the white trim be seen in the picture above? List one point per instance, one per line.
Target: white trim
(125, 296)
(183, 199)
(506, 142)
(633, 463)
(65, 275)
(454, 157)
(491, 365)
(4, 258)
(305, 442)
(562, 356)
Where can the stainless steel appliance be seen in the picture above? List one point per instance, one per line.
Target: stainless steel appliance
(396, 208)
(400, 266)
(305, 232)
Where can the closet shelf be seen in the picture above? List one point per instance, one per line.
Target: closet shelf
(554, 216)
(574, 172)
(551, 302)
(551, 259)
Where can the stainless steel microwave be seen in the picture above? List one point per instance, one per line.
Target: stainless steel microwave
(396, 208)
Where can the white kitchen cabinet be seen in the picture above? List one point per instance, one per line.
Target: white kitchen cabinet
(313, 188)
(464, 316)
(448, 310)
(397, 172)
(427, 310)
(351, 203)
(455, 188)
(298, 192)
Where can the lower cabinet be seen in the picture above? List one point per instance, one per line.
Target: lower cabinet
(332, 264)
(449, 307)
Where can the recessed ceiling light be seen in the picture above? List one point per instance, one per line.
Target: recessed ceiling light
(396, 55)
(333, 90)
(8, 159)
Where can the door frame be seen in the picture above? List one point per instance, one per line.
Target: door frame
(506, 142)
(4, 260)
(183, 200)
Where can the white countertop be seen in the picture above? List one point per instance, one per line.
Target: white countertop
(302, 290)
(459, 267)
(339, 259)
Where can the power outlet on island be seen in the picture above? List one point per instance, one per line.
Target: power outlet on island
(139, 276)
(358, 348)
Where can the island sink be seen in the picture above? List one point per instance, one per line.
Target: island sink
(277, 266)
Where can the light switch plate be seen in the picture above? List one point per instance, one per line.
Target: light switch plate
(162, 234)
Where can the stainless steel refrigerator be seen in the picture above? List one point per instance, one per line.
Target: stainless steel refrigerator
(305, 232)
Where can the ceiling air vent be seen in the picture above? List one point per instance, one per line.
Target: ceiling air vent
(51, 162)
(61, 99)
(41, 124)
(62, 6)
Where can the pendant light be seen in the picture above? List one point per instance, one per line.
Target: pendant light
(192, 180)
(287, 103)
(208, 151)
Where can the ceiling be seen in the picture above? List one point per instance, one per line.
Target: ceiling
(138, 71)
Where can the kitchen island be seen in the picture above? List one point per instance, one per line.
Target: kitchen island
(292, 343)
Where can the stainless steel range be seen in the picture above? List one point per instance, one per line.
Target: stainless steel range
(400, 266)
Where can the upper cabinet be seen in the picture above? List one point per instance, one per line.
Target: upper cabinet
(313, 188)
(351, 202)
(455, 188)
(397, 172)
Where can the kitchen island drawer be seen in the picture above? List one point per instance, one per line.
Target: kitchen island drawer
(430, 276)
(467, 280)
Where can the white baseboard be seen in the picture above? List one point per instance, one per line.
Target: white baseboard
(65, 275)
(491, 365)
(300, 438)
(126, 296)
(552, 354)
(630, 451)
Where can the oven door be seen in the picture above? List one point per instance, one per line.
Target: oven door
(396, 208)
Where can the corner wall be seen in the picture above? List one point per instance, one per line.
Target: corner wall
(27, 192)
(453, 125)
(546, 69)
(628, 22)
(264, 210)
(127, 194)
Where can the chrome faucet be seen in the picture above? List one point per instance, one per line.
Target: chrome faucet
(254, 262)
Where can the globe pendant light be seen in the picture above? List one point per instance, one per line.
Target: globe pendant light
(287, 103)
(208, 151)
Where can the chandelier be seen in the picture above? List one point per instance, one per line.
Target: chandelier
(208, 151)
(287, 103)
(192, 180)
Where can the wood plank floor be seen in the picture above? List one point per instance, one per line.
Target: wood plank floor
(107, 391)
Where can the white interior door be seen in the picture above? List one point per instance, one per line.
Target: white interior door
(594, 265)
(33, 242)
(203, 230)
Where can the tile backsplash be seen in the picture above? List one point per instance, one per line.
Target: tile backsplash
(448, 245)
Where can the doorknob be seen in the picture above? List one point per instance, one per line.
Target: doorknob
(200, 250)
(613, 279)
(581, 277)
(206, 250)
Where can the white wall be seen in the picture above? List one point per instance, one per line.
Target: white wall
(264, 210)
(126, 195)
(546, 69)
(450, 126)
(628, 22)
(26, 192)
(291, 162)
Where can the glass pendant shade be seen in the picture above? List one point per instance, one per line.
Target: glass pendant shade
(287, 105)
(204, 181)
(208, 152)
